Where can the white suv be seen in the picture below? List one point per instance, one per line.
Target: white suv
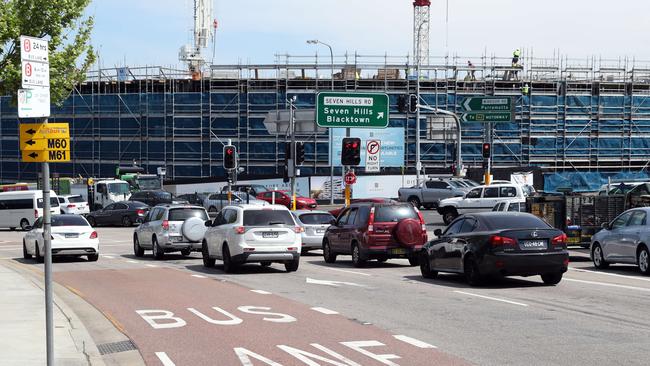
(73, 204)
(248, 233)
(481, 198)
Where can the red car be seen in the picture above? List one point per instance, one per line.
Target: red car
(376, 231)
(284, 198)
(335, 212)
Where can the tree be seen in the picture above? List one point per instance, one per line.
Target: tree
(63, 24)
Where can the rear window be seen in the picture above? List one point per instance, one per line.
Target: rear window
(54, 202)
(523, 221)
(267, 217)
(69, 220)
(316, 219)
(394, 213)
(75, 199)
(182, 214)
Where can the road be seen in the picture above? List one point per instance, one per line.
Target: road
(178, 312)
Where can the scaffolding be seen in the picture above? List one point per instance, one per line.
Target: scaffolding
(588, 114)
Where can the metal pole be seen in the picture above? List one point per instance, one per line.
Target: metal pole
(47, 247)
(330, 131)
(292, 161)
(229, 177)
(418, 162)
(459, 161)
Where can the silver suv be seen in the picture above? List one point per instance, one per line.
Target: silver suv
(171, 228)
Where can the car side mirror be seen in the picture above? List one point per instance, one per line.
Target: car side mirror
(208, 223)
(333, 222)
(437, 232)
(605, 226)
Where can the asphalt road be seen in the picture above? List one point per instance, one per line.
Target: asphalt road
(367, 316)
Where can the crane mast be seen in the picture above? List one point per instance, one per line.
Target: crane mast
(192, 54)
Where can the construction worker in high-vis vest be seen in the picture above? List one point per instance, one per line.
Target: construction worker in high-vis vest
(515, 63)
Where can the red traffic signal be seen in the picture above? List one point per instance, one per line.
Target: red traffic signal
(487, 150)
(351, 152)
(229, 157)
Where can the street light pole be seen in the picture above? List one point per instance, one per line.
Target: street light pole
(331, 142)
(459, 162)
(418, 162)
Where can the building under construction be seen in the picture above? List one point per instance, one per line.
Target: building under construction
(588, 116)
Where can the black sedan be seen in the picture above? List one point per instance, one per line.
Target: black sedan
(124, 213)
(497, 244)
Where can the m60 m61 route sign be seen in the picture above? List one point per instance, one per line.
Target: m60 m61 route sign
(352, 110)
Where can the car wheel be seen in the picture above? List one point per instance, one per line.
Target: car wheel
(137, 249)
(327, 252)
(449, 216)
(91, 221)
(37, 254)
(357, 261)
(25, 254)
(598, 257)
(126, 221)
(228, 265)
(552, 278)
(207, 261)
(265, 264)
(24, 224)
(425, 266)
(93, 257)
(413, 260)
(414, 201)
(186, 252)
(292, 266)
(643, 258)
(472, 273)
(158, 253)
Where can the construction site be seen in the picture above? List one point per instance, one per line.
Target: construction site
(573, 118)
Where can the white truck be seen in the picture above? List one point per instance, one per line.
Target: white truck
(105, 192)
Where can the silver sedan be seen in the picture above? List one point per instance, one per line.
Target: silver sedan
(624, 240)
(314, 224)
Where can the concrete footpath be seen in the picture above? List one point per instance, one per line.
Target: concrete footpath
(22, 320)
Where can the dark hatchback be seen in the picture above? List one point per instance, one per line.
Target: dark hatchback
(124, 213)
(376, 231)
(497, 244)
(154, 198)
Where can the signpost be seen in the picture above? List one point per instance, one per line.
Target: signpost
(486, 117)
(488, 109)
(35, 74)
(33, 103)
(352, 110)
(373, 149)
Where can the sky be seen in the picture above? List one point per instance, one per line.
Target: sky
(150, 32)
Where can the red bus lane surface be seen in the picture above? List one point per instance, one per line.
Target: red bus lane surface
(177, 319)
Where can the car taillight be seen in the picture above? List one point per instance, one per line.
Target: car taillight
(424, 225)
(559, 240)
(36, 214)
(239, 229)
(500, 241)
(298, 229)
(140, 212)
(371, 221)
(165, 225)
(93, 235)
(71, 206)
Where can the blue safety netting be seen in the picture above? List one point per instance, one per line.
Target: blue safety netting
(588, 181)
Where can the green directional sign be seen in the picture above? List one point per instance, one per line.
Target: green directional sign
(352, 110)
(487, 109)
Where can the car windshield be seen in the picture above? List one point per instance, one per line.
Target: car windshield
(244, 196)
(522, 221)
(54, 202)
(68, 220)
(75, 199)
(267, 217)
(316, 218)
(151, 183)
(182, 214)
(395, 213)
(455, 184)
(118, 188)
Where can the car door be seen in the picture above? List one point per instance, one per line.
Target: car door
(631, 236)
(442, 248)
(611, 244)
(337, 229)
(348, 231)
(490, 198)
(102, 216)
(471, 201)
(459, 242)
(30, 236)
(218, 233)
(144, 230)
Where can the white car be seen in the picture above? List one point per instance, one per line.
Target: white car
(510, 205)
(314, 224)
(481, 198)
(71, 235)
(217, 201)
(73, 204)
(249, 233)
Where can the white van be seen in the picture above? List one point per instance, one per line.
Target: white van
(22, 208)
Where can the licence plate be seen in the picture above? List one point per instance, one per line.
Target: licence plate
(71, 235)
(398, 251)
(573, 240)
(533, 244)
(270, 234)
(320, 231)
(177, 238)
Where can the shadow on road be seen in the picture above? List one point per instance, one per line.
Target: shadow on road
(458, 281)
(168, 256)
(55, 259)
(246, 269)
(347, 264)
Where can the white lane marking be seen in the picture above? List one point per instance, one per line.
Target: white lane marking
(609, 285)
(112, 245)
(492, 298)
(10, 248)
(332, 283)
(610, 274)
(151, 265)
(346, 271)
(130, 261)
(199, 276)
(164, 359)
(413, 342)
(108, 256)
(261, 292)
(325, 311)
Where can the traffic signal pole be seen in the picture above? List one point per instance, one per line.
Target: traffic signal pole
(345, 170)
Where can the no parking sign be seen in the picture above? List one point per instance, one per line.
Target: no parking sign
(373, 148)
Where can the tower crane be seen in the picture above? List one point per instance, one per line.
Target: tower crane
(204, 27)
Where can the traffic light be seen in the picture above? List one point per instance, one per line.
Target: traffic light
(402, 103)
(287, 153)
(487, 150)
(229, 157)
(452, 170)
(351, 152)
(285, 174)
(300, 153)
(413, 103)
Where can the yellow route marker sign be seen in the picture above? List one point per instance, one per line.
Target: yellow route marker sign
(46, 144)
(36, 131)
(54, 156)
